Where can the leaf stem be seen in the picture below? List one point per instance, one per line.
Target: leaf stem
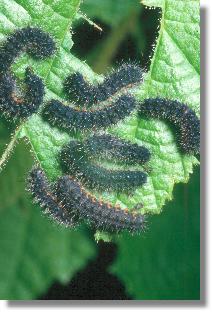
(83, 16)
(5, 156)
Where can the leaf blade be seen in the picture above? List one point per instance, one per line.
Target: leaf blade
(179, 80)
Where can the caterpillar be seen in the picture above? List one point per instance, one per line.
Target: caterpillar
(179, 115)
(40, 45)
(14, 106)
(70, 118)
(35, 41)
(111, 147)
(86, 94)
(43, 193)
(75, 162)
(100, 215)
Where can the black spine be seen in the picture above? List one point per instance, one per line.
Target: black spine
(14, 106)
(70, 118)
(86, 94)
(40, 45)
(180, 116)
(33, 40)
(43, 193)
(101, 215)
(75, 162)
(109, 146)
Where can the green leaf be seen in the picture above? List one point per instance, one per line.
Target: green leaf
(34, 252)
(174, 73)
(164, 263)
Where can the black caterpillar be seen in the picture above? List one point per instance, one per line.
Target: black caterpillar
(66, 200)
(40, 45)
(32, 40)
(14, 106)
(76, 162)
(106, 145)
(71, 118)
(69, 202)
(86, 94)
(101, 215)
(179, 115)
(44, 194)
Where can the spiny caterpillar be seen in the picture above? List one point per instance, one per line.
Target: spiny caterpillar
(179, 115)
(32, 40)
(44, 194)
(40, 45)
(75, 162)
(67, 201)
(83, 93)
(71, 118)
(101, 215)
(109, 146)
(11, 105)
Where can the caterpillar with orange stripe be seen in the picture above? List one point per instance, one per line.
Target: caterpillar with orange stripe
(67, 202)
(75, 161)
(100, 215)
(45, 195)
(70, 118)
(39, 45)
(111, 147)
(85, 94)
(179, 115)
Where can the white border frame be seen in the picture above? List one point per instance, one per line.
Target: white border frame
(206, 208)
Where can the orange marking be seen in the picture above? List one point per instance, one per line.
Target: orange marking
(93, 199)
(101, 202)
(17, 99)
